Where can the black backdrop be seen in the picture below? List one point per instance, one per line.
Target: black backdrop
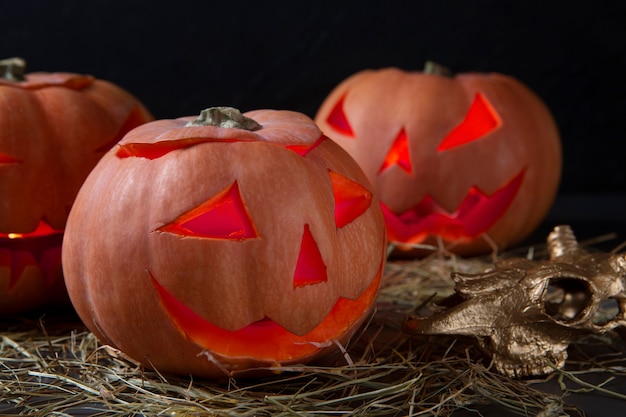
(179, 57)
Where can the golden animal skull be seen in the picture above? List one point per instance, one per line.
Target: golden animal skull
(525, 313)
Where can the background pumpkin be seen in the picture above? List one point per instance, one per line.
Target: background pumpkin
(255, 244)
(54, 127)
(467, 158)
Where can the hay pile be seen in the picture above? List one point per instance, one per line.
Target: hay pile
(54, 366)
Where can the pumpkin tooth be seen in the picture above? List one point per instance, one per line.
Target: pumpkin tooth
(42, 229)
(473, 217)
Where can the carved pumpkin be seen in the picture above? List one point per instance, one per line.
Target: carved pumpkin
(54, 127)
(469, 159)
(212, 247)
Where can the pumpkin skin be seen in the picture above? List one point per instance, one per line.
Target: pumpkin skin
(464, 159)
(55, 127)
(221, 249)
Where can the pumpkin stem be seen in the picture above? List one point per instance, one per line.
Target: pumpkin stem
(227, 117)
(12, 69)
(434, 68)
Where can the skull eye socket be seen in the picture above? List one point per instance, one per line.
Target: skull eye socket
(567, 299)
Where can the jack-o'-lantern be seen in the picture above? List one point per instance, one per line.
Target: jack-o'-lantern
(209, 247)
(54, 127)
(468, 160)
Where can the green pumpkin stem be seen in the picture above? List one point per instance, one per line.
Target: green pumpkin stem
(12, 69)
(227, 117)
(434, 68)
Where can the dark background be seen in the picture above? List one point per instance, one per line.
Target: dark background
(179, 57)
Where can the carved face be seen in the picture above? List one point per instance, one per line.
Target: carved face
(450, 158)
(53, 130)
(256, 247)
(525, 313)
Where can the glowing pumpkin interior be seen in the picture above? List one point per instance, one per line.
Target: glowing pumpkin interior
(476, 213)
(41, 247)
(225, 216)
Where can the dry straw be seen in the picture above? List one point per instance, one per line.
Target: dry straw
(52, 366)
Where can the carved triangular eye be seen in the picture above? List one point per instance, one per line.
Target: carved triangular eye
(398, 154)
(224, 216)
(480, 119)
(338, 120)
(351, 199)
(310, 268)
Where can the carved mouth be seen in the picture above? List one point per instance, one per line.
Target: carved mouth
(265, 338)
(40, 247)
(473, 217)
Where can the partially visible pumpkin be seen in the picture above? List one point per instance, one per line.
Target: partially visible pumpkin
(468, 159)
(232, 242)
(54, 127)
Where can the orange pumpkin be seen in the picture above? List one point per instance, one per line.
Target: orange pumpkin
(211, 247)
(471, 159)
(54, 128)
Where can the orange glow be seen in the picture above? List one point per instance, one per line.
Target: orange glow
(42, 229)
(338, 120)
(480, 119)
(303, 150)
(224, 216)
(40, 248)
(8, 159)
(399, 154)
(159, 149)
(351, 199)
(310, 268)
(473, 217)
(265, 339)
